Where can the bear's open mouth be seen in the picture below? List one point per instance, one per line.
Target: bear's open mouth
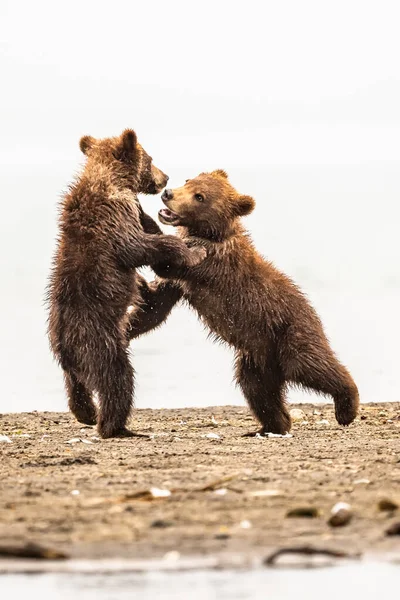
(168, 217)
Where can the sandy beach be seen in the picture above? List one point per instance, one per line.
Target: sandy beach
(195, 486)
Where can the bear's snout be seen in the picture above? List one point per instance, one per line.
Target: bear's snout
(167, 195)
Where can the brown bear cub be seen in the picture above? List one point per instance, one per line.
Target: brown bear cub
(104, 235)
(247, 303)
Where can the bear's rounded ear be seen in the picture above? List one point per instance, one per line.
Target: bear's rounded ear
(244, 205)
(220, 173)
(127, 146)
(86, 142)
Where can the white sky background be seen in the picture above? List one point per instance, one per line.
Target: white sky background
(282, 82)
(298, 100)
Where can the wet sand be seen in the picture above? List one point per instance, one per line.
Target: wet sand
(221, 494)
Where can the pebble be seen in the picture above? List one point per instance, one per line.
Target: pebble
(5, 439)
(387, 505)
(161, 524)
(297, 414)
(341, 514)
(394, 529)
(309, 512)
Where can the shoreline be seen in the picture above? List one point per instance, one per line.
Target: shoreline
(195, 491)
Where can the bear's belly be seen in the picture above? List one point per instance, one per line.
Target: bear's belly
(216, 312)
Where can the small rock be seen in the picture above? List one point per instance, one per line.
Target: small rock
(362, 481)
(212, 436)
(341, 514)
(5, 439)
(223, 533)
(161, 524)
(297, 414)
(75, 493)
(387, 505)
(323, 422)
(393, 529)
(309, 512)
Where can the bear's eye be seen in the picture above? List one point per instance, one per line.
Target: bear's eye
(199, 197)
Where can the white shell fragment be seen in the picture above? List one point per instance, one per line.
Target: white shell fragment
(76, 440)
(274, 435)
(245, 524)
(323, 422)
(5, 439)
(221, 491)
(212, 436)
(172, 556)
(159, 493)
(265, 493)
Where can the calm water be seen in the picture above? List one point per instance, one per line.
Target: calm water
(333, 229)
(362, 581)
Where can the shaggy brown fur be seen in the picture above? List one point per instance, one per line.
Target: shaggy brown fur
(246, 302)
(104, 235)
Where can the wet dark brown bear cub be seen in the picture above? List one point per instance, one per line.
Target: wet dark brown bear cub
(104, 236)
(246, 302)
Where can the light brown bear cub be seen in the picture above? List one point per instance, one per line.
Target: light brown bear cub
(246, 302)
(104, 235)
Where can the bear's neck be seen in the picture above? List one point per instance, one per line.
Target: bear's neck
(102, 181)
(212, 234)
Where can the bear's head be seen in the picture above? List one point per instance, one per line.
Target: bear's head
(207, 205)
(125, 161)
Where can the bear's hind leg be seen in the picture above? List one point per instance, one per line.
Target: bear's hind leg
(80, 400)
(264, 390)
(318, 369)
(115, 387)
